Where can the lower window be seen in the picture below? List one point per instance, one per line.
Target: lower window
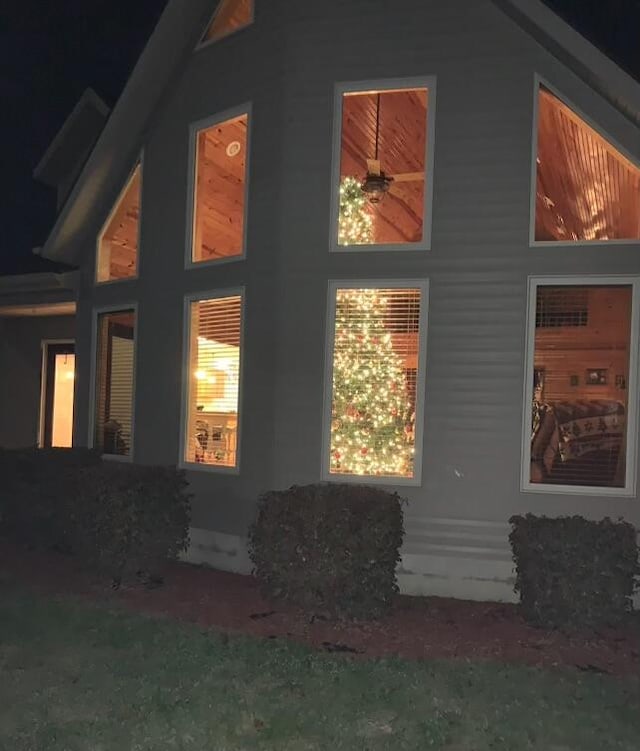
(213, 360)
(115, 356)
(377, 369)
(579, 374)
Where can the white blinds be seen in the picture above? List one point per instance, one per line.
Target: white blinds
(580, 379)
(214, 381)
(375, 361)
(114, 382)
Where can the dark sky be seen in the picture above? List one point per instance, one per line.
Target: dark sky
(51, 50)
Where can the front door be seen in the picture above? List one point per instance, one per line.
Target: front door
(57, 402)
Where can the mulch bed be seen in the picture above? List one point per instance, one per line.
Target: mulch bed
(417, 628)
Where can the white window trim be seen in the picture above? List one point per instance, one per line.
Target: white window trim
(114, 308)
(389, 480)
(539, 81)
(44, 346)
(629, 489)
(194, 129)
(386, 84)
(190, 298)
(208, 42)
(139, 163)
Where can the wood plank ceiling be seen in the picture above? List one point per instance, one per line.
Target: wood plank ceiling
(220, 190)
(230, 16)
(118, 253)
(586, 189)
(399, 217)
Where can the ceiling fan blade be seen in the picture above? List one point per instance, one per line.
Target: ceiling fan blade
(373, 166)
(408, 177)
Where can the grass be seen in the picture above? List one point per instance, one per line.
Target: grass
(74, 676)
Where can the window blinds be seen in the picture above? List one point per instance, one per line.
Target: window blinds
(375, 361)
(579, 401)
(214, 381)
(114, 382)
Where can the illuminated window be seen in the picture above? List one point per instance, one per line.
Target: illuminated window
(230, 16)
(383, 171)
(220, 190)
(214, 381)
(579, 368)
(118, 241)
(377, 352)
(586, 189)
(115, 362)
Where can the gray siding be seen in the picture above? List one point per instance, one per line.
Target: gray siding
(287, 64)
(20, 366)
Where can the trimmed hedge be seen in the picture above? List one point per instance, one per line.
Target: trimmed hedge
(572, 573)
(38, 489)
(130, 519)
(331, 549)
(119, 519)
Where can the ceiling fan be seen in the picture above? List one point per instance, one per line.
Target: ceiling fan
(376, 183)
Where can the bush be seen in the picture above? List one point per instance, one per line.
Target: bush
(129, 519)
(572, 573)
(38, 488)
(330, 549)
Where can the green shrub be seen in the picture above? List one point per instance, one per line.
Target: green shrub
(37, 490)
(129, 519)
(329, 548)
(572, 573)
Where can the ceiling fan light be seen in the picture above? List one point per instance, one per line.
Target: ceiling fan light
(375, 187)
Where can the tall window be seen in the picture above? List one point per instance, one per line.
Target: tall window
(115, 363)
(579, 373)
(230, 16)
(376, 380)
(214, 365)
(220, 190)
(586, 189)
(118, 241)
(383, 186)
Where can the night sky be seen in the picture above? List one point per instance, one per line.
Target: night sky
(50, 51)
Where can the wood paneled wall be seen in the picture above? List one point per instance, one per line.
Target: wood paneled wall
(602, 344)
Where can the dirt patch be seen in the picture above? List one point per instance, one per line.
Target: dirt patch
(417, 628)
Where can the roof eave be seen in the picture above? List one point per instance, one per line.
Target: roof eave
(39, 282)
(89, 96)
(171, 40)
(583, 57)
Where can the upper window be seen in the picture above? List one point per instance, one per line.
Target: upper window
(220, 187)
(230, 16)
(382, 167)
(213, 390)
(118, 241)
(586, 189)
(580, 374)
(376, 379)
(114, 377)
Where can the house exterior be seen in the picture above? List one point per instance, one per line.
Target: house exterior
(395, 243)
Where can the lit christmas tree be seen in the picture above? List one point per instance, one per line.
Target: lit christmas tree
(355, 224)
(372, 414)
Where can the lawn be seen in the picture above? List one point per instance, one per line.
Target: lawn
(75, 676)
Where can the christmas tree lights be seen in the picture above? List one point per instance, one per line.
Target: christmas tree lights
(372, 414)
(355, 222)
